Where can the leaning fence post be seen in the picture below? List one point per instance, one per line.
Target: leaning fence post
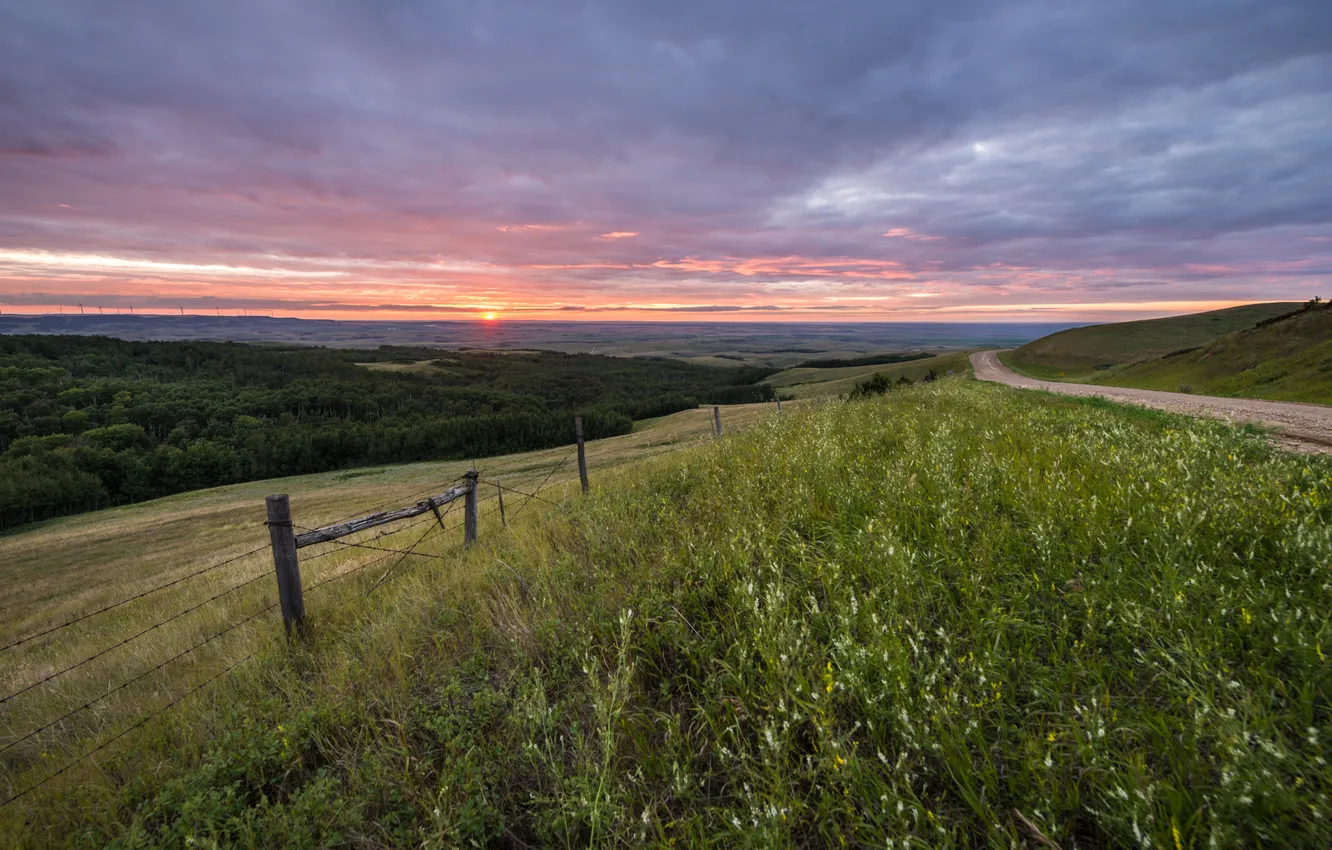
(469, 508)
(582, 458)
(716, 415)
(285, 562)
(499, 488)
(779, 405)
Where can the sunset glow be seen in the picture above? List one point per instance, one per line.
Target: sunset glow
(635, 164)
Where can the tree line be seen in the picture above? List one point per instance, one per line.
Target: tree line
(90, 422)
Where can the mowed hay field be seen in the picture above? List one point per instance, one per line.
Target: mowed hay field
(804, 382)
(955, 615)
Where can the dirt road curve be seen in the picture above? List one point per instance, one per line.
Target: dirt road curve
(1301, 427)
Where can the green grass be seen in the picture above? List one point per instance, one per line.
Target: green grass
(805, 382)
(896, 622)
(1080, 354)
(1289, 360)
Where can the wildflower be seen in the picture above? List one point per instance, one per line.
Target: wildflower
(1051, 737)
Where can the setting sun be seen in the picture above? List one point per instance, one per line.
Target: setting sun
(489, 317)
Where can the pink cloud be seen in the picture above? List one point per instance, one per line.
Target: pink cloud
(792, 267)
(907, 233)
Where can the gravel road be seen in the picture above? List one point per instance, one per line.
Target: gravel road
(1301, 427)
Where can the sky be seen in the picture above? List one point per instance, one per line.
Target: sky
(765, 160)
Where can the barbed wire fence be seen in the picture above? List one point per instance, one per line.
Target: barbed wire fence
(293, 609)
(437, 527)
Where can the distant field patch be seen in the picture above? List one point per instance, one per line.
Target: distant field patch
(804, 382)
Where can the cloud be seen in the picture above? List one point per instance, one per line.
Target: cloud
(772, 153)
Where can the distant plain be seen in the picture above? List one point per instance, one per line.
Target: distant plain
(775, 344)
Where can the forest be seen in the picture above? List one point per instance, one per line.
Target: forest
(90, 422)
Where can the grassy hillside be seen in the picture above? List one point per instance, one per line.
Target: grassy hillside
(1285, 360)
(1080, 353)
(952, 616)
(805, 382)
(66, 567)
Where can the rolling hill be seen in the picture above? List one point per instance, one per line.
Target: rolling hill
(1288, 358)
(1080, 354)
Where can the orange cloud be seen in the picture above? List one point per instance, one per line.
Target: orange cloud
(840, 267)
(619, 234)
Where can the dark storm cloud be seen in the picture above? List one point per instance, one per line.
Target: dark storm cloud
(1148, 146)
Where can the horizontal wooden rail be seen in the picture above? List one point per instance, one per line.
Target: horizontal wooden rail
(351, 526)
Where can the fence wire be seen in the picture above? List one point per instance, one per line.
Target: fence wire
(131, 638)
(139, 677)
(141, 722)
(542, 486)
(429, 533)
(137, 596)
(524, 493)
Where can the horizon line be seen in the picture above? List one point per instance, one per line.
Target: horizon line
(1096, 312)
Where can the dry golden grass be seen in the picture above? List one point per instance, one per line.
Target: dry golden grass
(67, 568)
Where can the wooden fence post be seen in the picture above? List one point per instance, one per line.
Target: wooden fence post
(285, 562)
(582, 458)
(716, 415)
(469, 509)
(499, 488)
(779, 405)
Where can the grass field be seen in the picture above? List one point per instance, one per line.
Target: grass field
(957, 615)
(1080, 354)
(67, 567)
(1289, 360)
(813, 383)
